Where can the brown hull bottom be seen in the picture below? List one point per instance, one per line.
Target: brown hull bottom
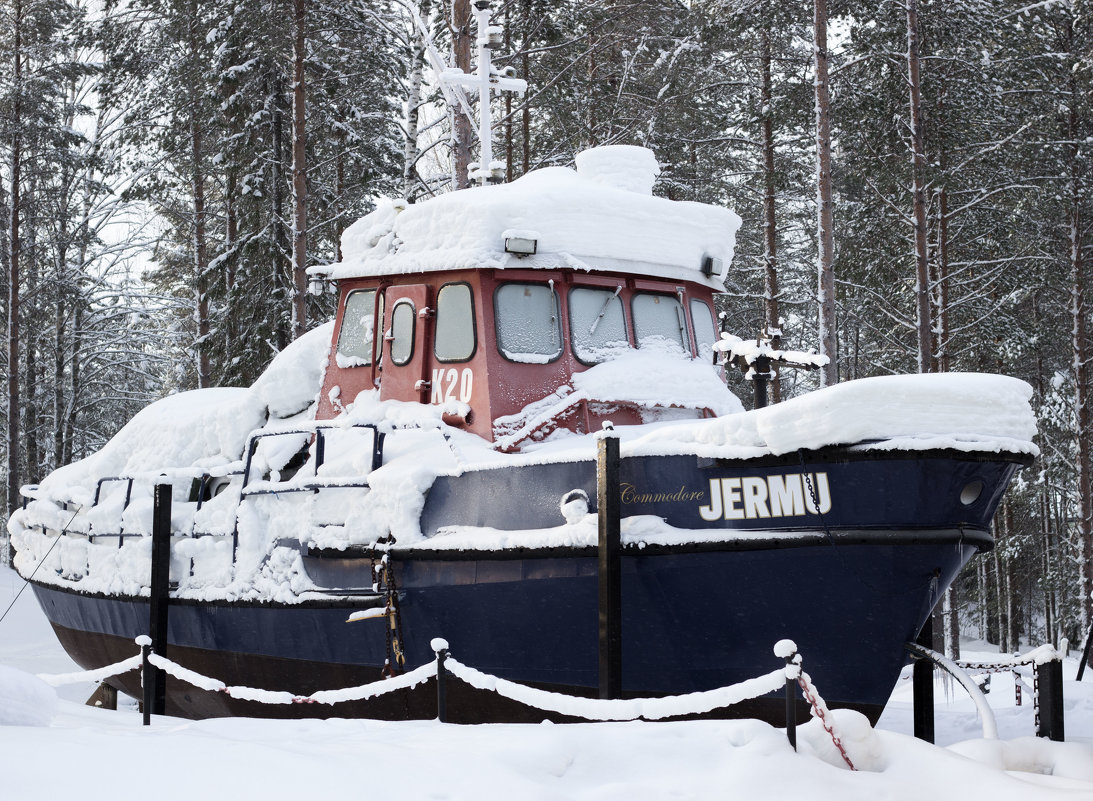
(465, 704)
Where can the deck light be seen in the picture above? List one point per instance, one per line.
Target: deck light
(521, 245)
(315, 285)
(711, 265)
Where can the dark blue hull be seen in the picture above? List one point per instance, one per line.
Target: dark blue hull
(849, 586)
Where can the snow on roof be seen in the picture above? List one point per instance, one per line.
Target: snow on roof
(603, 216)
(961, 411)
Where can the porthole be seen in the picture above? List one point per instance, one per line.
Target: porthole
(971, 492)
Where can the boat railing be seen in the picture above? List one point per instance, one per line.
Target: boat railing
(204, 485)
(313, 482)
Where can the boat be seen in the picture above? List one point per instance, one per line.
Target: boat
(427, 462)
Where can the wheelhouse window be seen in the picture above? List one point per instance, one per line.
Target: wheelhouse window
(355, 345)
(528, 323)
(455, 335)
(659, 323)
(705, 329)
(597, 325)
(402, 332)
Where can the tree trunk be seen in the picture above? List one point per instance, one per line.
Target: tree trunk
(197, 188)
(770, 231)
(413, 109)
(825, 235)
(277, 212)
(299, 174)
(1012, 640)
(1000, 538)
(462, 134)
(942, 351)
(1081, 410)
(13, 263)
(918, 170)
(32, 369)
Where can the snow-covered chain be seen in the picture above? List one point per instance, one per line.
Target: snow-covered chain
(621, 709)
(99, 674)
(596, 709)
(1037, 656)
(820, 710)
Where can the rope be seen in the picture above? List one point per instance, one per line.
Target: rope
(596, 709)
(99, 674)
(364, 691)
(27, 581)
(620, 709)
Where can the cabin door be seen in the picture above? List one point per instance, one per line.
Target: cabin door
(407, 336)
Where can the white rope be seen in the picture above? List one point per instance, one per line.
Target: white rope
(60, 679)
(621, 709)
(372, 690)
(588, 708)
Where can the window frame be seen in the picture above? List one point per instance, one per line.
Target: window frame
(413, 331)
(474, 324)
(627, 327)
(372, 356)
(685, 329)
(562, 320)
(694, 328)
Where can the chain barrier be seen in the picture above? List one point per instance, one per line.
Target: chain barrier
(1042, 653)
(594, 709)
(1010, 664)
(820, 710)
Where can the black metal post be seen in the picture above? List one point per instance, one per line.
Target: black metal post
(1049, 680)
(160, 585)
(791, 705)
(1085, 654)
(441, 681)
(923, 685)
(759, 381)
(610, 572)
(145, 643)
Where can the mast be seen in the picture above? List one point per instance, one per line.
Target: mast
(485, 79)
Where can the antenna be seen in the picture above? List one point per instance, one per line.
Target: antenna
(485, 79)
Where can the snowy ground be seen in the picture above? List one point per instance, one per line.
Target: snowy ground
(89, 754)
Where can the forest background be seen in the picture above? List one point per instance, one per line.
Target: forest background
(168, 168)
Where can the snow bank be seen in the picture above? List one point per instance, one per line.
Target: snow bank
(24, 699)
(601, 215)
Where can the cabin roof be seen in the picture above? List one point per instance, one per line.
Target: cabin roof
(600, 217)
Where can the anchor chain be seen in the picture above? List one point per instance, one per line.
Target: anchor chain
(815, 497)
(395, 659)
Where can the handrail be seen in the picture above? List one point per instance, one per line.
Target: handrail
(990, 726)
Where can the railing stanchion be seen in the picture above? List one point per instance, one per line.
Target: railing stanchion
(1049, 677)
(923, 686)
(440, 646)
(147, 684)
(159, 589)
(610, 569)
(787, 649)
